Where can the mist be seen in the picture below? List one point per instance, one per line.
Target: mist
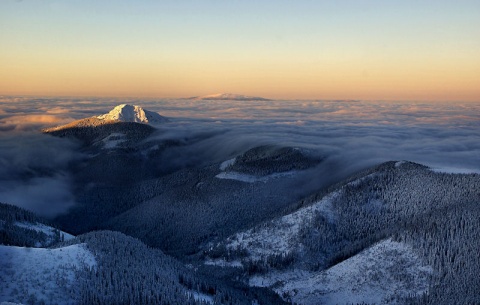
(34, 172)
(348, 135)
(353, 134)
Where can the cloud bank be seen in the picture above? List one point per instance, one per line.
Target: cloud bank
(350, 135)
(34, 171)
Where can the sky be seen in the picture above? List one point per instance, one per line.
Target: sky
(346, 49)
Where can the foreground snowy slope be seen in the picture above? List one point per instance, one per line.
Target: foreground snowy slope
(101, 267)
(382, 274)
(36, 275)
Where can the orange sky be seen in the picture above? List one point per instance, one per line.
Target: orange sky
(108, 53)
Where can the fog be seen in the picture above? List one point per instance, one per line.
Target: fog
(355, 133)
(349, 135)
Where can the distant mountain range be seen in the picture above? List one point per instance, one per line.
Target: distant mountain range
(228, 97)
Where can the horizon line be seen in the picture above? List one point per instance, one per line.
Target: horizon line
(149, 97)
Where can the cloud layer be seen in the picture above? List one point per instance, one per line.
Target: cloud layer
(350, 135)
(34, 171)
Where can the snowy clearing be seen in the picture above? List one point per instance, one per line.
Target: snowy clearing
(225, 164)
(281, 235)
(381, 274)
(41, 274)
(251, 178)
(224, 263)
(113, 140)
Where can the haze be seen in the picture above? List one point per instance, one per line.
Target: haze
(388, 50)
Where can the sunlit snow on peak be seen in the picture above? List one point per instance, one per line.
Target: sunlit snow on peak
(132, 113)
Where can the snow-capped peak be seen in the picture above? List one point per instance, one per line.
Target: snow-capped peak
(132, 113)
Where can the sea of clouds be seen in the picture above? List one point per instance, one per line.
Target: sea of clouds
(350, 135)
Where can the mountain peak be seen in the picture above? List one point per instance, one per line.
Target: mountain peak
(132, 113)
(228, 97)
(123, 113)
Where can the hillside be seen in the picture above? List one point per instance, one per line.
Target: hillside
(398, 207)
(94, 269)
(380, 236)
(30, 272)
(42, 275)
(156, 209)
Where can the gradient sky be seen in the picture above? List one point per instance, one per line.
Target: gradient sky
(404, 50)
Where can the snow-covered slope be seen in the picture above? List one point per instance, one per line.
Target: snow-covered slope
(113, 140)
(228, 97)
(381, 274)
(30, 275)
(280, 237)
(132, 113)
(310, 257)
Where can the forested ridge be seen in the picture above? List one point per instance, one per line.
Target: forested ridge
(436, 213)
(126, 271)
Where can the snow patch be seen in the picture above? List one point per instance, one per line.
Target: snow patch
(225, 164)
(113, 140)
(224, 263)
(41, 274)
(381, 274)
(399, 163)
